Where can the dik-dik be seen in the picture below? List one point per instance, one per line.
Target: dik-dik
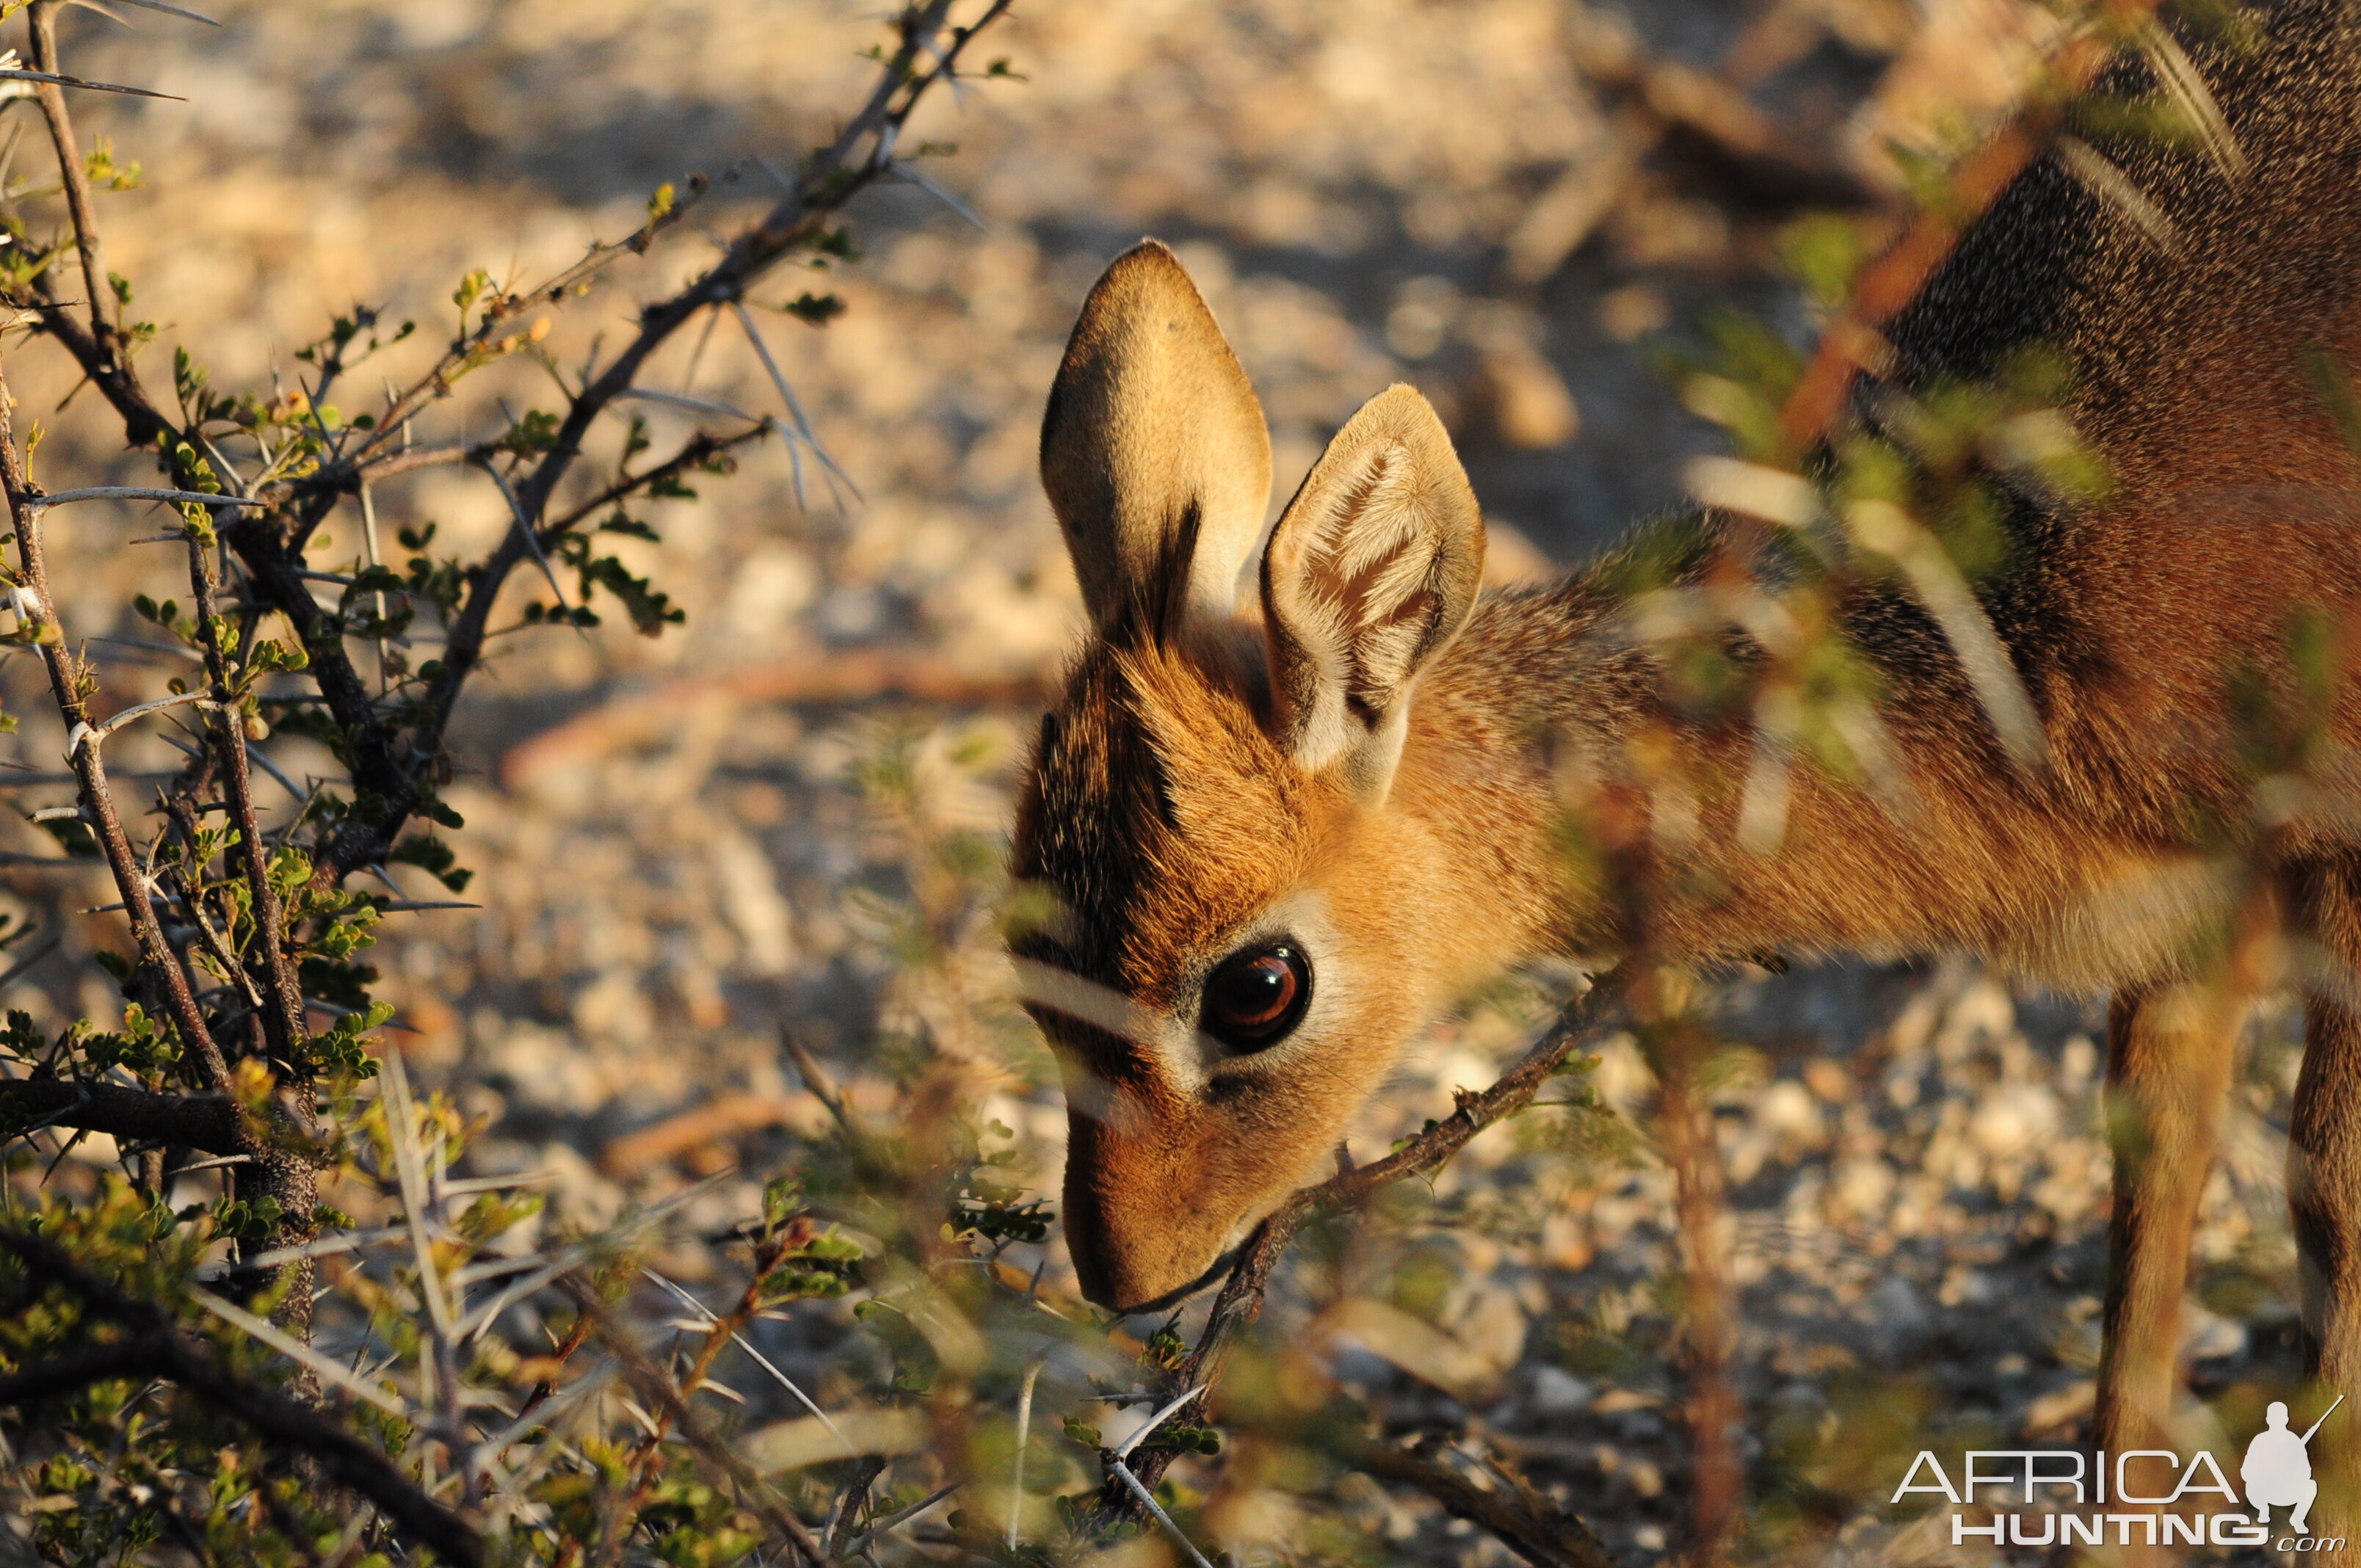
(1304, 784)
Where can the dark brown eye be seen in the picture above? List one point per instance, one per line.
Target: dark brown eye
(1256, 996)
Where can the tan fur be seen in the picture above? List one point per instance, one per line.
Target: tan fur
(1392, 795)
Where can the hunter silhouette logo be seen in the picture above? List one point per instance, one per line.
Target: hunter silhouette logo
(2277, 1471)
(2140, 1497)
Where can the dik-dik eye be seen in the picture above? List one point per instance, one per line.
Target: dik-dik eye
(1256, 996)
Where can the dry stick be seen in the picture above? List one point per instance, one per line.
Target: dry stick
(1241, 1295)
(163, 1351)
(858, 676)
(1852, 340)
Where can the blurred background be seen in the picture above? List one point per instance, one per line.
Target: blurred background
(787, 811)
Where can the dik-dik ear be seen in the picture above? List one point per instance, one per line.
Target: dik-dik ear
(1154, 452)
(1369, 575)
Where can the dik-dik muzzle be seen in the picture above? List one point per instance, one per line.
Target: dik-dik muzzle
(1223, 954)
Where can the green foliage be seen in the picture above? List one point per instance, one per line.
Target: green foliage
(650, 608)
(816, 310)
(105, 173)
(143, 1045)
(433, 856)
(535, 433)
(991, 1210)
(475, 286)
(1824, 252)
(342, 1049)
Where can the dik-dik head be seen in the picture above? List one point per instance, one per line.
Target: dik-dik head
(1241, 934)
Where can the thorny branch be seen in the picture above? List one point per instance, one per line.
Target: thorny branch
(155, 1348)
(391, 741)
(105, 335)
(71, 686)
(207, 1122)
(282, 1167)
(396, 773)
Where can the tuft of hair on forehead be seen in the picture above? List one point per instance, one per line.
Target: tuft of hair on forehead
(1157, 812)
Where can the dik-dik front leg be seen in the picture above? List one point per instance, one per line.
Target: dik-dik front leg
(2168, 1055)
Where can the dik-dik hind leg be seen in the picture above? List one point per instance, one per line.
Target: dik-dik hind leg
(2324, 1186)
(2168, 1078)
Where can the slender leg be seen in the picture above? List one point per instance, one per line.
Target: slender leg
(2324, 1193)
(2324, 1180)
(2168, 1055)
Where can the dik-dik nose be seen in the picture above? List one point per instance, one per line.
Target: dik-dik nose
(1139, 1230)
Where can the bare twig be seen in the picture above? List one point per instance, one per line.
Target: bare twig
(134, 493)
(97, 289)
(856, 675)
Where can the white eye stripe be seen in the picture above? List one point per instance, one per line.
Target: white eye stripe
(1109, 1010)
(1178, 1047)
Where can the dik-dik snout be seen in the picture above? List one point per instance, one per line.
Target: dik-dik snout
(1179, 1142)
(1198, 1106)
(1232, 937)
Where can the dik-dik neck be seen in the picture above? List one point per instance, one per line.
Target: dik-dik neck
(1539, 744)
(1527, 768)
(1479, 782)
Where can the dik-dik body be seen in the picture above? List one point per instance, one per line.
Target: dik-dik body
(1304, 787)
